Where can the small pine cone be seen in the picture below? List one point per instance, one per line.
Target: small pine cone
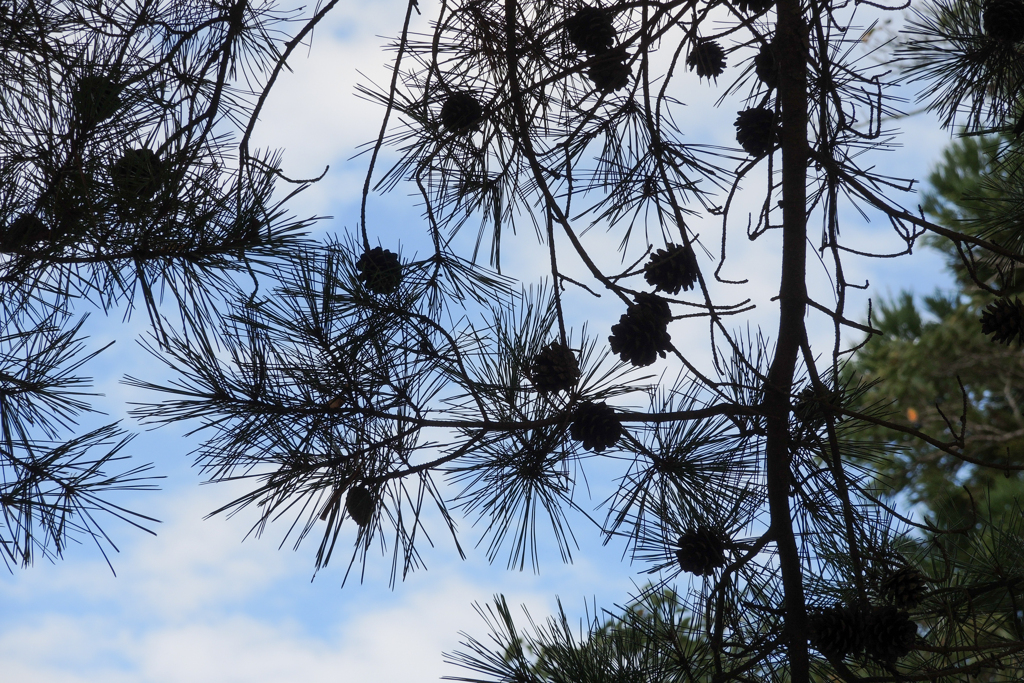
(596, 425)
(138, 173)
(380, 271)
(755, 6)
(755, 131)
(555, 368)
(591, 30)
(461, 113)
(890, 634)
(359, 504)
(24, 230)
(96, 98)
(707, 58)
(811, 408)
(609, 70)
(1004, 20)
(641, 334)
(700, 552)
(672, 268)
(838, 631)
(766, 67)
(1004, 320)
(904, 588)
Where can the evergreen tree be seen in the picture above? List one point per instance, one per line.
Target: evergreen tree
(353, 382)
(928, 359)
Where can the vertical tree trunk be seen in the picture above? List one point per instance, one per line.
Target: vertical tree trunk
(791, 42)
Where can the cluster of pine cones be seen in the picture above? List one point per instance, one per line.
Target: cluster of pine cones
(591, 31)
(883, 633)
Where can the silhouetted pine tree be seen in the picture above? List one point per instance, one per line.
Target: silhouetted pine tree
(398, 391)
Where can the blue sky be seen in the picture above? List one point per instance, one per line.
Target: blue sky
(196, 604)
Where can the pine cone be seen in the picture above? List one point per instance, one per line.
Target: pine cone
(890, 634)
(1004, 320)
(461, 113)
(655, 305)
(24, 230)
(359, 504)
(838, 631)
(904, 588)
(701, 551)
(609, 70)
(766, 67)
(591, 30)
(641, 334)
(812, 408)
(555, 368)
(1004, 20)
(672, 268)
(755, 6)
(138, 173)
(380, 271)
(596, 425)
(755, 131)
(96, 99)
(707, 58)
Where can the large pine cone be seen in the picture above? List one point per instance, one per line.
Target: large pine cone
(1004, 320)
(555, 368)
(596, 425)
(609, 70)
(591, 30)
(707, 58)
(1004, 20)
(641, 334)
(461, 113)
(890, 634)
(380, 271)
(96, 99)
(672, 268)
(700, 552)
(359, 504)
(138, 173)
(904, 588)
(766, 67)
(838, 631)
(755, 131)
(23, 231)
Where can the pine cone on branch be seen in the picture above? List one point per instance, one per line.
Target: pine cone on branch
(707, 58)
(701, 551)
(596, 425)
(672, 268)
(359, 504)
(1004, 20)
(591, 30)
(138, 173)
(904, 588)
(1004, 320)
(838, 631)
(380, 271)
(609, 70)
(755, 131)
(461, 113)
(25, 230)
(890, 634)
(555, 368)
(766, 66)
(641, 334)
